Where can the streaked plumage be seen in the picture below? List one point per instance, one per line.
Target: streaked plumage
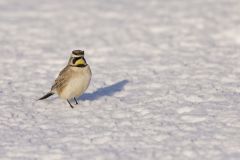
(73, 80)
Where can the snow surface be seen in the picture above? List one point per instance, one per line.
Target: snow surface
(166, 79)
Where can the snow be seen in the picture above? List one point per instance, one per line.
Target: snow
(165, 79)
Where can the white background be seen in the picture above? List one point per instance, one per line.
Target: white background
(166, 79)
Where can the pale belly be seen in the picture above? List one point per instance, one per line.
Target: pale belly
(77, 85)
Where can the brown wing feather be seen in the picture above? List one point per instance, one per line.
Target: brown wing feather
(62, 79)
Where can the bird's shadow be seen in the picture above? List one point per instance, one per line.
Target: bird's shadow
(104, 91)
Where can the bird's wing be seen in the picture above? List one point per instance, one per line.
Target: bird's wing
(62, 79)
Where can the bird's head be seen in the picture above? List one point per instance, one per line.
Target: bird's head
(77, 59)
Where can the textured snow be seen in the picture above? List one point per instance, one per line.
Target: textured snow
(165, 79)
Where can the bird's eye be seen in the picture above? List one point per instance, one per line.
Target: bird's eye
(74, 60)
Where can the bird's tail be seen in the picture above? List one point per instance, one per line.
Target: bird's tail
(46, 96)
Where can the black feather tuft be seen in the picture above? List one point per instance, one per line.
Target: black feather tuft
(46, 96)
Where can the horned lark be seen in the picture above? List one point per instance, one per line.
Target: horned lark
(73, 80)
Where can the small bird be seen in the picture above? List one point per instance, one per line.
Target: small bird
(73, 80)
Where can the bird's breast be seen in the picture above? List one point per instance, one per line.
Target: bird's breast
(78, 83)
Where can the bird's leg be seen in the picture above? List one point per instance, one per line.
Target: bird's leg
(75, 100)
(70, 104)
